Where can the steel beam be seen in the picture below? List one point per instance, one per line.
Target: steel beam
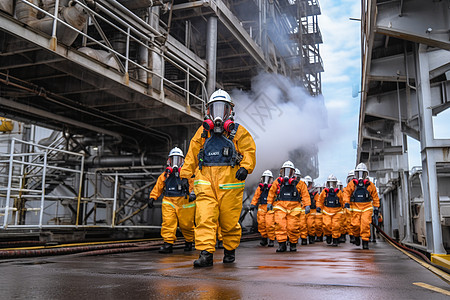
(429, 182)
(233, 24)
(42, 113)
(211, 53)
(16, 28)
(421, 22)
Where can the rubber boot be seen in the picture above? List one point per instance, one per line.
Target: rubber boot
(263, 241)
(293, 247)
(335, 242)
(311, 239)
(342, 238)
(319, 238)
(270, 243)
(204, 260)
(304, 242)
(229, 256)
(187, 246)
(352, 239)
(166, 248)
(329, 238)
(219, 245)
(281, 247)
(357, 240)
(365, 245)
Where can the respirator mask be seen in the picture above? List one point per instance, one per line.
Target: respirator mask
(219, 117)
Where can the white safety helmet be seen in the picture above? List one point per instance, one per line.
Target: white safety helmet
(308, 180)
(361, 171)
(287, 169)
(350, 176)
(176, 158)
(298, 173)
(267, 177)
(331, 181)
(219, 106)
(340, 185)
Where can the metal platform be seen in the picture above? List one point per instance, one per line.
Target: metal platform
(314, 272)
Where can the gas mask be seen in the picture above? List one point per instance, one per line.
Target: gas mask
(361, 182)
(174, 164)
(361, 175)
(219, 117)
(287, 174)
(266, 181)
(332, 184)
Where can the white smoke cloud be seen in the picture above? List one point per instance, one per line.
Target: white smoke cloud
(281, 117)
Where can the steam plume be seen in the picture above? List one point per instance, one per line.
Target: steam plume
(282, 117)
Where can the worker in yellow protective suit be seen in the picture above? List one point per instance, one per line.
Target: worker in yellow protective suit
(178, 205)
(224, 153)
(331, 202)
(314, 223)
(219, 244)
(260, 197)
(285, 198)
(363, 197)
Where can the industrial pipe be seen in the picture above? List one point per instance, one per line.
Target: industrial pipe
(52, 116)
(93, 249)
(57, 251)
(116, 161)
(211, 53)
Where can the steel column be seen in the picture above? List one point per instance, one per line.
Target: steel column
(430, 180)
(211, 53)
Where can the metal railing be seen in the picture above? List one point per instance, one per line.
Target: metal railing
(24, 169)
(106, 198)
(141, 38)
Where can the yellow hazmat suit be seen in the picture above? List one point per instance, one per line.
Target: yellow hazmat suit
(176, 211)
(219, 193)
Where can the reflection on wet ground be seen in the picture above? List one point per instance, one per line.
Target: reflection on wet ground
(314, 271)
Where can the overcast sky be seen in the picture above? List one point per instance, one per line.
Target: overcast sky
(340, 51)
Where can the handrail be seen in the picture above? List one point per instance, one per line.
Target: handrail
(151, 47)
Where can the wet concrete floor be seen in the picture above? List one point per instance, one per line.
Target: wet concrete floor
(313, 272)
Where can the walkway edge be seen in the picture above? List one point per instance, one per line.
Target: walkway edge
(442, 274)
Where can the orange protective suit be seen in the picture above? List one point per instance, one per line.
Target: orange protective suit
(314, 223)
(262, 210)
(270, 224)
(287, 213)
(361, 211)
(219, 193)
(346, 220)
(331, 215)
(176, 211)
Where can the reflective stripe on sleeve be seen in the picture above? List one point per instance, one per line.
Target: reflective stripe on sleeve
(170, 203)
(276, 207)
(231, 186)
(189, 205)
(201, 182)
(362, 210)
(332, 214)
